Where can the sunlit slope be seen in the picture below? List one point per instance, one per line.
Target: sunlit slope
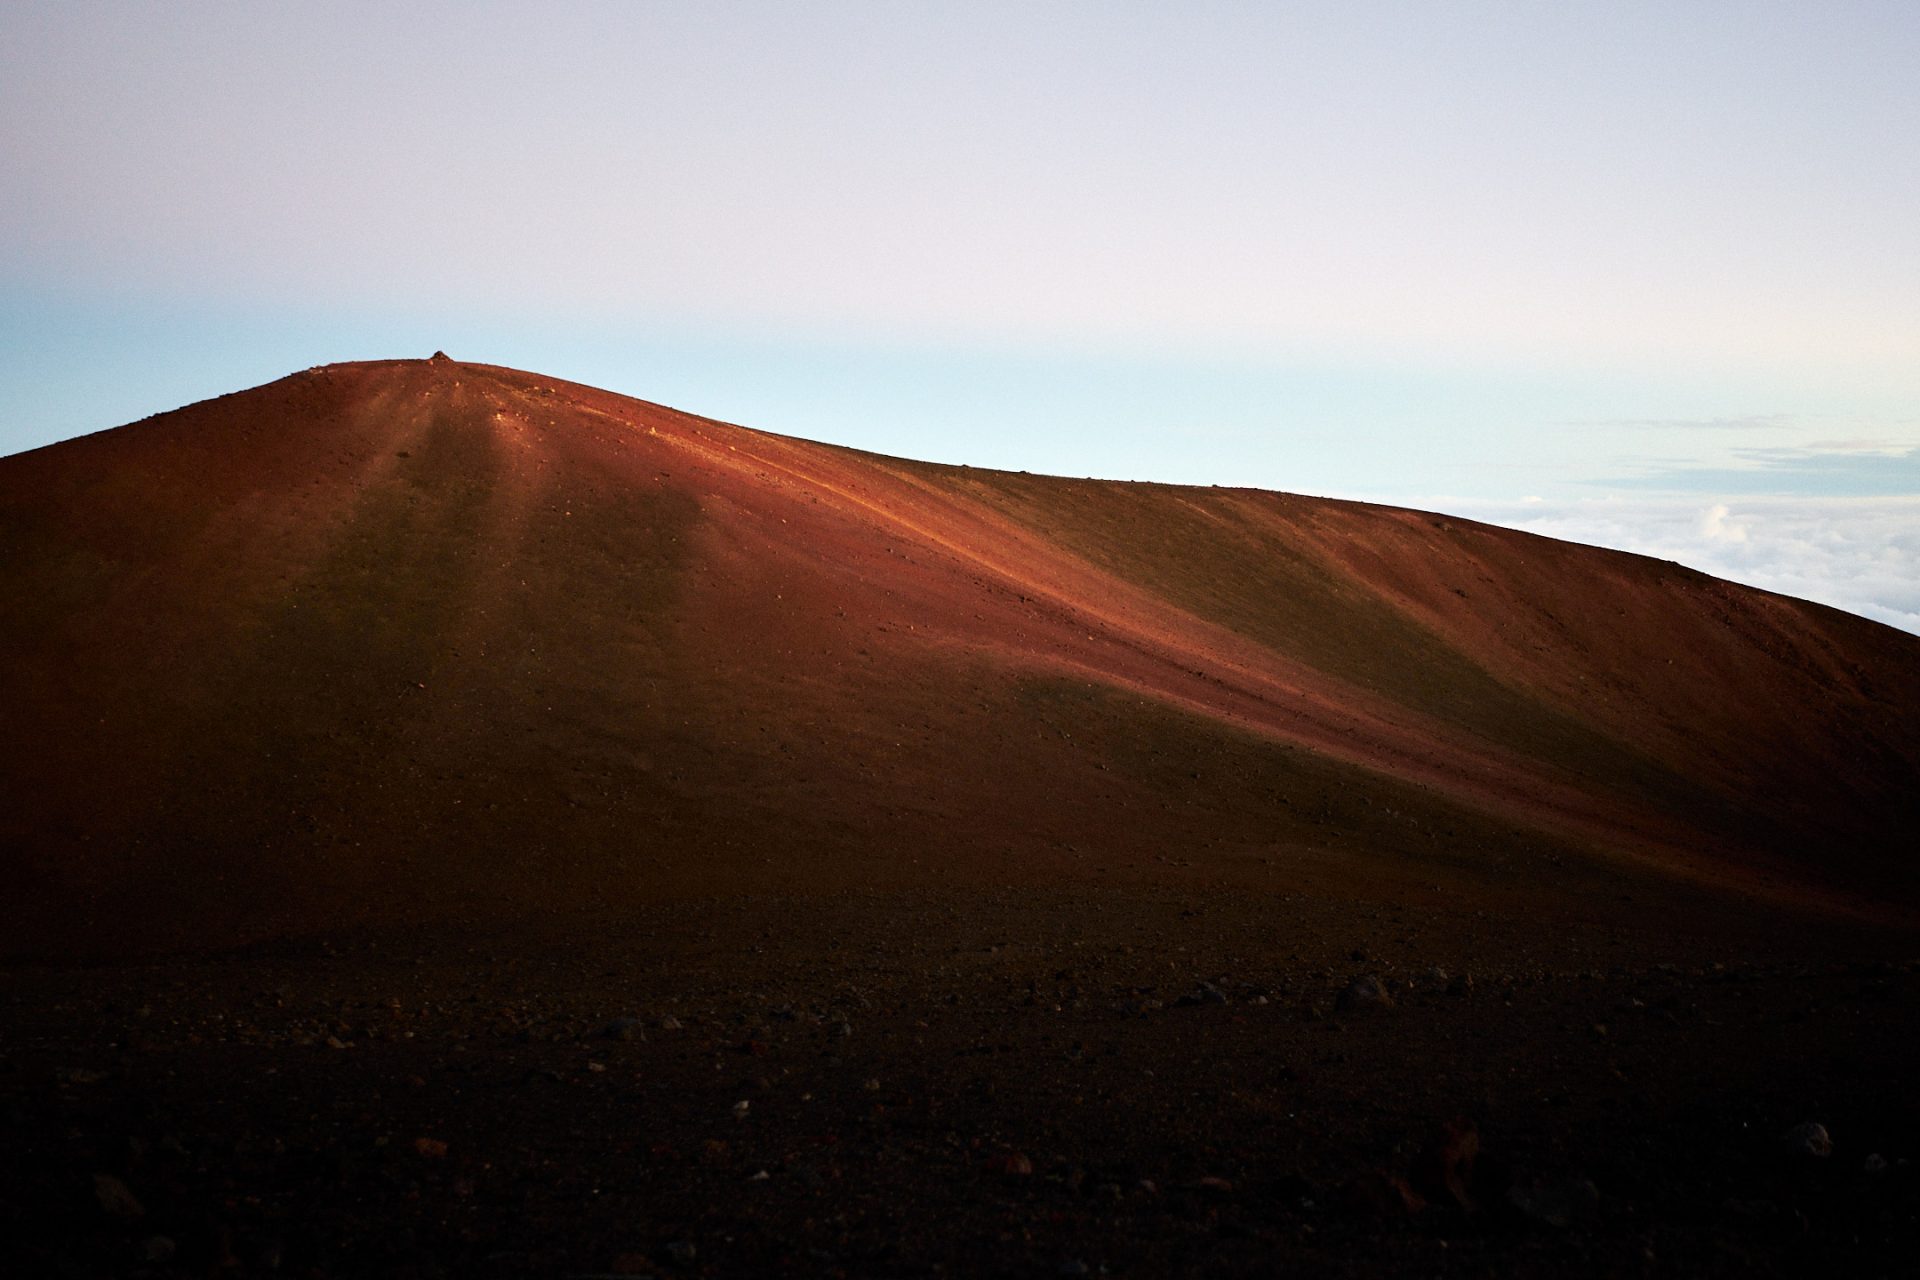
(427, 640)
(1643, 679)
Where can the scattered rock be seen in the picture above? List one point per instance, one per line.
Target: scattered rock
(682, 1252)
(1011, 1164)
(670, 1024)
(1362, 995)
(1810, 1140)
(741, 1108)
(1377, 1193)
(624, 1029)
(430, 1148)
(117, 1198)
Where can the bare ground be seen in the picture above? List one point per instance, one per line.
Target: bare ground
(1133, 1083)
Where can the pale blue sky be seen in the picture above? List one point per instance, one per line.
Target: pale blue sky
(1453, 255)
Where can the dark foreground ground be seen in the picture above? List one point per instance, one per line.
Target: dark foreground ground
(1143, 1083)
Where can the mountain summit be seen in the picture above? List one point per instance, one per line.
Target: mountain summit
(424, 640)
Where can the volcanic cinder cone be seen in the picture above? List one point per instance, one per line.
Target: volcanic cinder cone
(423, 640)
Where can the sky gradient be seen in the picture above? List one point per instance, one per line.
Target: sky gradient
(1601, 271)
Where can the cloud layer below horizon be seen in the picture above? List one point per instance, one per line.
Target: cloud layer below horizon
(1858, 554)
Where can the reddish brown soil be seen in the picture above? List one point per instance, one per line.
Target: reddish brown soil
(426, 640)
(452, 712)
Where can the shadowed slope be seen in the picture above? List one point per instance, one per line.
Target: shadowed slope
(413, 640)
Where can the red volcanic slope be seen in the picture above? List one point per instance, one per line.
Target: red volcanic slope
(425, 640)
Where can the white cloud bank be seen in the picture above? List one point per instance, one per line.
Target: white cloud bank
(1857, 554)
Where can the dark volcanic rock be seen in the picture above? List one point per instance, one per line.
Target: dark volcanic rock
(1809, 1140)
(1363, 995)
(1443, 1171)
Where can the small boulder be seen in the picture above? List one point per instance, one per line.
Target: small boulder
(1363, 995)
(1808, 1140)
(116, 1197)
(1011, 1165)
